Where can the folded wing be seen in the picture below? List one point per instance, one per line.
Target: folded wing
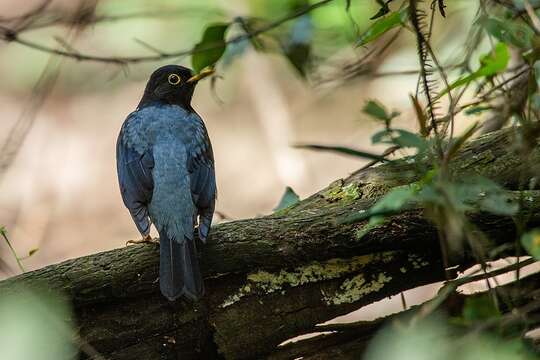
(134, 167)
(202, 179)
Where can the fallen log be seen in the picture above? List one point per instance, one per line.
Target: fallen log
(271, 278)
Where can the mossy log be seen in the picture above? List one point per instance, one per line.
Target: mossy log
(275, 277)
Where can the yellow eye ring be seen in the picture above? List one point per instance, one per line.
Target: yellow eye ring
(174, 79)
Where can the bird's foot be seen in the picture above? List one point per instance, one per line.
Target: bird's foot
(147, 239)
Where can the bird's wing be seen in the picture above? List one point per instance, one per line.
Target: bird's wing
(134, 163)
(202, 178)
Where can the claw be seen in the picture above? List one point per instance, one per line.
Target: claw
(147, 239)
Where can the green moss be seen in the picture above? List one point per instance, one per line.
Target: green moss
(243, 291)
(267, 282)
(347, 193)
(353, 289)
(374, 190)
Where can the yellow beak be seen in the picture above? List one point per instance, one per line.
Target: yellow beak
(204, 73)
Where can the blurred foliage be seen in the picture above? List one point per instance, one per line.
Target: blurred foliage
(493, 63)
(211, 47)
(433, 339)
(376, 110)
(479, 308)
(384, 25)
(35, 325)
(531, 242)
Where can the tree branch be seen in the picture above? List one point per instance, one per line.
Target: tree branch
(350, 340)
(272, 278)
(11, 35)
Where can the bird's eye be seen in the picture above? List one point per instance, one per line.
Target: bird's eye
(174, 79)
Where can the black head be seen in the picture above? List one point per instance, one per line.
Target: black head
(170, 84)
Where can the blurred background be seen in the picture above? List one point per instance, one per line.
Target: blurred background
(59, 191)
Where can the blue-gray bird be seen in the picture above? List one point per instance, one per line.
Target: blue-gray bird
(166, 172)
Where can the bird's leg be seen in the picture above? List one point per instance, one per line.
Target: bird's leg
(147, 239)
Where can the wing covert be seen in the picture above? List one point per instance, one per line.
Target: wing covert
(202, 179)
(135, 177)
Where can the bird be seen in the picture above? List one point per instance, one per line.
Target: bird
(166, 173)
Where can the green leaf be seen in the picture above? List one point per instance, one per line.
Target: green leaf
(495, 61)
(396, 200)
(401, 138)
(289, 198)
(484, 194)
(479, 308)
(531, 243)
(383, 25)
(509, 31)
(492, 63)
(458, 143)
(377, 110)
(211, 47)
(342, 150)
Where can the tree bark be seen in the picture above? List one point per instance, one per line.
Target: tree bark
(271, 278)
(349, 341)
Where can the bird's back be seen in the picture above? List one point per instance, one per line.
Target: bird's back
(176, 140)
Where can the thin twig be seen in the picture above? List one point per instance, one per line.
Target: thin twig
(13, 252)
(11, 35)
(451, 286)
(532, 15)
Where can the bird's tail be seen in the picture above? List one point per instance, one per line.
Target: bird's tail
(179, 273)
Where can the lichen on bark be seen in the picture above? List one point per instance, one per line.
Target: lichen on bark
(266, 282)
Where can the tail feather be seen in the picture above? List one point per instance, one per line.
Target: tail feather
(204, 227)
(205, 221)
(179, 272)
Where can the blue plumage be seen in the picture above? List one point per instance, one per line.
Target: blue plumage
(166, 173)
